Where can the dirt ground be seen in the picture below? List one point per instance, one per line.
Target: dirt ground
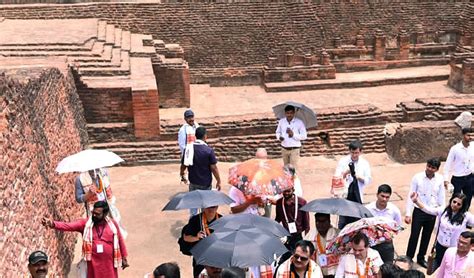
(254, 99)
(143, 191)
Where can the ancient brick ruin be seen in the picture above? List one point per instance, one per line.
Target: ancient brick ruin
(101, 72)
(41, 122)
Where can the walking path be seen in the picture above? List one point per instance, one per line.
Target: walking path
(143, 191)
(209, 101)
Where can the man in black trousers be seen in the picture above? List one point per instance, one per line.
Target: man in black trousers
(459, 164)
(430, 186)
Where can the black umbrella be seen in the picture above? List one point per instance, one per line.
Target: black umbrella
(198, 199)
(241, 248)
(243, 221)
(337, 206)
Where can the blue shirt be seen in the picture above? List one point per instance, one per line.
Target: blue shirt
(200, 172)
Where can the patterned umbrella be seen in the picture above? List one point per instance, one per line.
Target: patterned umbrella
(377, 229)
(260, 177)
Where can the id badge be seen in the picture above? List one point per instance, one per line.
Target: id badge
(323, 260)
(100, 248)
(292, 227)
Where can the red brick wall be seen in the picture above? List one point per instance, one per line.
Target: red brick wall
(173, 86)
(146, 114)
(245, 34)
(41, 122)
(102, 105)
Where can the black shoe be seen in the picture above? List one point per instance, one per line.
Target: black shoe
(422, 263)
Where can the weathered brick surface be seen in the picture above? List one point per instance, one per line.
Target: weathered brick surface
(420, 141)
(237, 137)
(107, 105)
(245, 34)
(173, 86)
(145, 114)
(41, 122)
(461, 77)
(235, 148)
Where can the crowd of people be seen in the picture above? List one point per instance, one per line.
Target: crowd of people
(104, 249)
(425, 205)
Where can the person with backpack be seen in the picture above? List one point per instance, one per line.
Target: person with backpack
(197, 229)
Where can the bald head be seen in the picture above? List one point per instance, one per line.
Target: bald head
(261, 153)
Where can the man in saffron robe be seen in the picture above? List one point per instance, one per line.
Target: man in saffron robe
(103, 246)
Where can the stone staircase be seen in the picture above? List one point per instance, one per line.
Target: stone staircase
(101, 56)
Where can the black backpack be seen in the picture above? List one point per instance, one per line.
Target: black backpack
(185, 247)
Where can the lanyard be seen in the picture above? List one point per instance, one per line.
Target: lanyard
(308, 272)
(366, 273)
(321, 249)
(205, 226)
(284, 209)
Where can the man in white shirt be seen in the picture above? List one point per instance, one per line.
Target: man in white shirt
(382, 207)
(429, 186)
(291, 131)
(361, 261)
(459, 164)
(186, 133)
(361, 166)
(361, 173)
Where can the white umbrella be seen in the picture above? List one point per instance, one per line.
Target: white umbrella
(88, 160)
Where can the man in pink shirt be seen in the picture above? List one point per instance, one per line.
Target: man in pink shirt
(459, 261)
(103, 245)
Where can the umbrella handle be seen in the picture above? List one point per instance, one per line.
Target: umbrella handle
(105, 195)
(88, 213)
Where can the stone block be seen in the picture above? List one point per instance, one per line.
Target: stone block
(417, 142)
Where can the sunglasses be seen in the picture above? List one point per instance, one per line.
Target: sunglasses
(298, 257)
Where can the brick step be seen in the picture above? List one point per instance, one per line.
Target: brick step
(126, 40)
(107, 132)
(243, 147)
(139, 48)
(118, 81)
(87, 46)
(101, 30)
(98, 51)
(112, 69)
(118, 57)
(118, 38)
(319, 85)
(106, 71)
(110, 34)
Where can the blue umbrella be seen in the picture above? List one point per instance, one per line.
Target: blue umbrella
(304, 113)
(337, 206)
(198, 199)
(238, 248)
(242, 221)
